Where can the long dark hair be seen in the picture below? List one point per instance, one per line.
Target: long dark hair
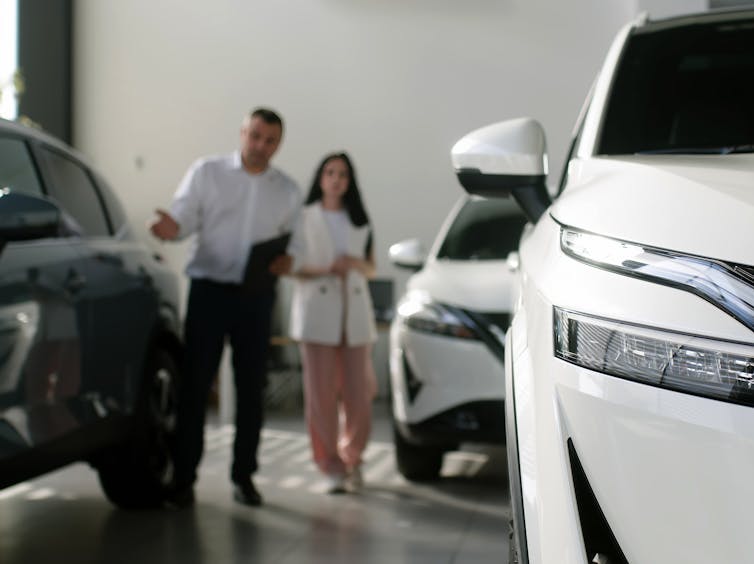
(351, 198)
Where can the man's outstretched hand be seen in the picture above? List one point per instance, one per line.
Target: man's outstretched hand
(164, 227)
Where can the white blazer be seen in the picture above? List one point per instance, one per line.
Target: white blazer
(323, 309)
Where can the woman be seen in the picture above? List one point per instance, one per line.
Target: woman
(333, 321)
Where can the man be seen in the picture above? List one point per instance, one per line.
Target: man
(229, 203)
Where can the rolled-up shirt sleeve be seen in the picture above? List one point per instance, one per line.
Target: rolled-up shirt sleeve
(186, 205)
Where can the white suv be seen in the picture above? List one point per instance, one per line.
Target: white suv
(446, 341)
(630, 358)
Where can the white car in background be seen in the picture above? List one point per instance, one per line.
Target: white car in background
(446, 341)
(630, 357)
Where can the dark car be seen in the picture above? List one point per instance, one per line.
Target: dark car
(89, 327)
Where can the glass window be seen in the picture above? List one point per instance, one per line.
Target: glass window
(483, 230)
(114, 207)
(73, 190)
(684, 90)
(17, 171)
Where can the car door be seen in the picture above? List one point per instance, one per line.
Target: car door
(40, 354)
(119, 300)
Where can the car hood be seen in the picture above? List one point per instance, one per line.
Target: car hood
(484, 286)
(702, 205)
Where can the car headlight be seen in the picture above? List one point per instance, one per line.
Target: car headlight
(713, 368)
(729, 286)
(420, 313)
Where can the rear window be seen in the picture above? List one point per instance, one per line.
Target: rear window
(483, 230)
(114, 207)
(72, 188)
(683, 90)
(17, 171)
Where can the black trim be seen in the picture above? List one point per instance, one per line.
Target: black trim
(82, 444)
(514, 470)
(480, 421)
(412, 383)
(529, 191)
(481, 325)
(597, 535)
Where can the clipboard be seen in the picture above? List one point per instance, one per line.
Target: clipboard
(257, 276)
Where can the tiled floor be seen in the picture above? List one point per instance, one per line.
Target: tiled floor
(461, 519)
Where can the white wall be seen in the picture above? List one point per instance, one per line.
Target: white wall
(395, 82)
(668, 8)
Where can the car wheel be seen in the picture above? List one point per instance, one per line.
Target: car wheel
(416, 462)
(135, 474)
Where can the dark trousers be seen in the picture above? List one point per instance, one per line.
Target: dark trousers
(215, 312)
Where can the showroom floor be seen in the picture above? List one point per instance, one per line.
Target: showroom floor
(462, 519)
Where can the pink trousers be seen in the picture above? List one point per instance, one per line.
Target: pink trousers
(339, 386)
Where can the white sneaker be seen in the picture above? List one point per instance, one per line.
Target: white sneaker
(336, 483)
(355, 480)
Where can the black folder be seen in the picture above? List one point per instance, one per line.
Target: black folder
(257, 276)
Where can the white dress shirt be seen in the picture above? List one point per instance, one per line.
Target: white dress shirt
(340, 227)
(229, 209)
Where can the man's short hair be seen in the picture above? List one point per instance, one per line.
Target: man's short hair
(268, 116)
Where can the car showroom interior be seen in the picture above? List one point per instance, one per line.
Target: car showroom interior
(359, 281)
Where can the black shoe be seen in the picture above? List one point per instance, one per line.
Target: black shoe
(246, 493)
(180, 496)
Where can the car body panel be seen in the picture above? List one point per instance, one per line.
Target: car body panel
(616, 466)
(451, 372)
(41, 361)
(662, 464)
(475, 285)
(79, 316)
(610, 196)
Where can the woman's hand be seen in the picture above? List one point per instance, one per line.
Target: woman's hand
(344, 263)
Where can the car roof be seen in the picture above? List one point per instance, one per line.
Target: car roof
(40, 135)
(723, 15)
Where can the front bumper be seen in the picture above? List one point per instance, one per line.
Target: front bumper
(668, 471)
(475, 422)
(434, 379)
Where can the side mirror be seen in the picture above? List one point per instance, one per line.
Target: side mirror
(506, 158)
(24, 217)
(513, 261)
(408, 254)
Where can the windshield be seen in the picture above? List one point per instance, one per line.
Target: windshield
(683, 90)
(483, 230)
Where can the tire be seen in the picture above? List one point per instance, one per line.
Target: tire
(415, 462)
(135, 474)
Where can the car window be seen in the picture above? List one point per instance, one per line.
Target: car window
(483, 230)
(17, 170)
(576, 141)
(115, 210)
(686, 90)
(73, 189)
